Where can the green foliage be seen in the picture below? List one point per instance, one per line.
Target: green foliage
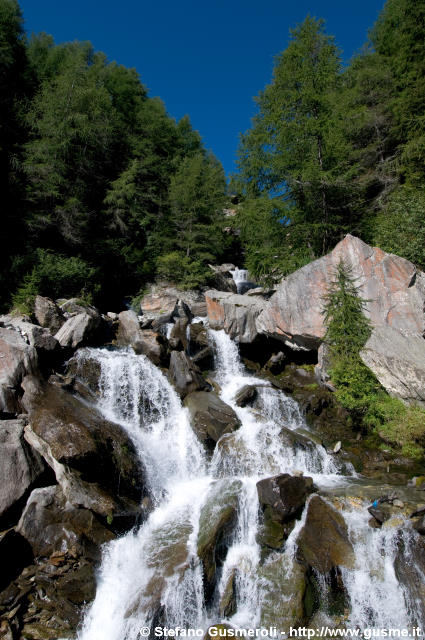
(399, 425)
(347, 328)
(273, 248)
(400, 227)
(357, 389)
(55, 275)
(295, 151)
(194, 236)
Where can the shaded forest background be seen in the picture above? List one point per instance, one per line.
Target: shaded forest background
(103, 192)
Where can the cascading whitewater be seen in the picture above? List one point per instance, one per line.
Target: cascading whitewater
(156, 571)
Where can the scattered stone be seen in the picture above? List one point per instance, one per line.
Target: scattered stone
(398, 503)
(379, 513)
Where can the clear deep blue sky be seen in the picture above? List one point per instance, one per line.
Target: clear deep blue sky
(203, 58)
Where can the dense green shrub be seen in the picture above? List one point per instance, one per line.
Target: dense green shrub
(55, 275)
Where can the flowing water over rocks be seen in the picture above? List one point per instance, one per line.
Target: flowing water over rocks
(199, 558)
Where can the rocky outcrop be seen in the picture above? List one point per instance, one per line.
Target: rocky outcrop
(34, 335)
(20, 467)
(145, 341)
(48, 314)
(391, 286)
(398, 361)
(323, 543)
(178, 336)
(284, 494)
(17, 359)
(94, 461)
(79, 330)
(210, 416)
(236, 314)
(185, 375)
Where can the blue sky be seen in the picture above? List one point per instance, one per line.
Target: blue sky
(203, 58)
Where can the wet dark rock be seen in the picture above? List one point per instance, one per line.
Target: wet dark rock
(380, 513)
(204, 359)
(20, 468)
(216, 523)
(185, 375)
(228, 602)
(284, 494)
(178, 338)
(409, 566)
(323, 542)
(246, 395)
(210, 416)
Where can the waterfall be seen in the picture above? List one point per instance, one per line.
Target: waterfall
(153, 574)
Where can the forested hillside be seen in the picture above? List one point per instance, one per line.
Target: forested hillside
(337, 149)
(102, 191)
(101, 188)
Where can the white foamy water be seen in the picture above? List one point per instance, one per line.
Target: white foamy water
(154, 574)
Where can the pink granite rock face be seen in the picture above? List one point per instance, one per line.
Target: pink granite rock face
(393, 288)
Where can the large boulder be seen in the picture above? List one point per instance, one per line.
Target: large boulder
(50, 523)
(48, 314)
(94, 460)
(393, 290)
(185, 375)
(236, 314)
(284, 494)
(210, 416)
(79, 330)
(145, 341)
(20, 467)
(398, 361)
(17, 359)
(323, 542)
(409, 566)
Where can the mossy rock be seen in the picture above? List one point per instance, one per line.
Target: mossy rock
(283, 587)
(216, 524)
